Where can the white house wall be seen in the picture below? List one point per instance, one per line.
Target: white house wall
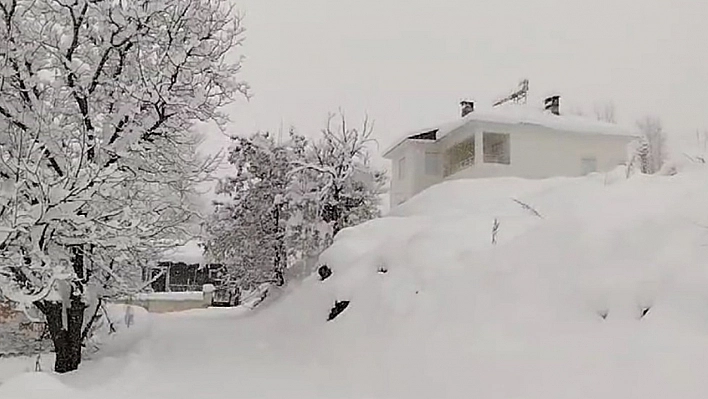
(422, 179)
(399, 187)
(415, 178)
(540, 153)
(535, 152)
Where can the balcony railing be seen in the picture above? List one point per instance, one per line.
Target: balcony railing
(497, 158)
(452, 168)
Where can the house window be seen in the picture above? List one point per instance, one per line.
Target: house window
(588, 165)
(459, 156)
(432, 163)
(496, 148)
(402, 168)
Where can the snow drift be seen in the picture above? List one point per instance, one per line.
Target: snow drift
(596, 288)
(604, 293)
(117, 333)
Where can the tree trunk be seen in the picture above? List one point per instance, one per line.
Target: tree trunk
(66, 338)
(280, 258)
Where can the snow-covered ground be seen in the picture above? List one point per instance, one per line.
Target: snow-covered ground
(604, 295)
(118, 333)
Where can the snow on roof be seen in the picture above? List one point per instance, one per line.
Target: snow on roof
(518, 114)
(189, 253)
(407, 136)
(527, 115)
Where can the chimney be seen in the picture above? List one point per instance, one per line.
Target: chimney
(552, 104)
(467, 107)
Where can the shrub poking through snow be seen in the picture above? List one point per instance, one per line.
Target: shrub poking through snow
(495, 231)
(382, 270)
(325, 272)
(338, 308)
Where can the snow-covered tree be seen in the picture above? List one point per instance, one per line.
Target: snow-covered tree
(98, 161)
(284, 202)
(652, 151)
(338, 178)
(248, 230)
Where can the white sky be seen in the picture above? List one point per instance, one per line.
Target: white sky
(408, 63)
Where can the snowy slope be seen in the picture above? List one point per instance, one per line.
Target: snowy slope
(455, 316)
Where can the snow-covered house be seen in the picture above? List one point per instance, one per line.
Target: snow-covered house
(509, 140)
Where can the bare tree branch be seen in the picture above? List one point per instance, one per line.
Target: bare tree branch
(528, 208)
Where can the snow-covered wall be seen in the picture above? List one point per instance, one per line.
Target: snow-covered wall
(168, 302)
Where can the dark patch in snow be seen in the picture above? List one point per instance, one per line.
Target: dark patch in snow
(382, 270)
(603, 313)
(645, 311)
(338, 308)
(528, 207)
(324, 271)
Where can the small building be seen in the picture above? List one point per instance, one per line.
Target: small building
(508, 140)
(184, 269)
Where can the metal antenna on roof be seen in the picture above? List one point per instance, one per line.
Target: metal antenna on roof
(519, 96)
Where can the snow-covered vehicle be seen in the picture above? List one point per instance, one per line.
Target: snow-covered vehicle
(225, 297)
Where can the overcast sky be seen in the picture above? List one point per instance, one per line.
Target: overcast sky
(408, 63)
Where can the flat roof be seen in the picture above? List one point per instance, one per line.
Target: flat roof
(518, 114)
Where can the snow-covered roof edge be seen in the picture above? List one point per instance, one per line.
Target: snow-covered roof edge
(189, 253)
(399, 141)
(524, 115)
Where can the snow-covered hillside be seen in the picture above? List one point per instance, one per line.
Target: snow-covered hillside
(603, 294)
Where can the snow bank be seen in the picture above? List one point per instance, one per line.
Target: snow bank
(602, 292)
(37, 386)
(15, 365)
(604, 295)
(119, 331)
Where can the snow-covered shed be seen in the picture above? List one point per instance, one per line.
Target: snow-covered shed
(510, 140)
(182, 268)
